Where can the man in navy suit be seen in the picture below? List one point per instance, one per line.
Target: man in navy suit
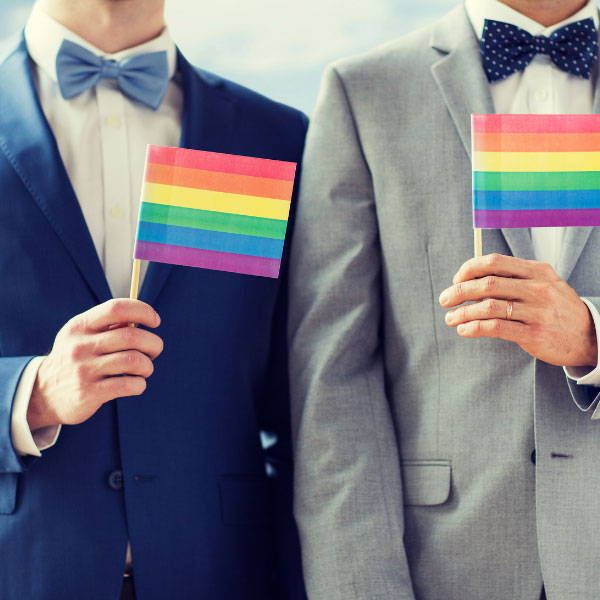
(131, 462)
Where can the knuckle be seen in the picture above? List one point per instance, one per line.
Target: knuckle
(459, 290)
(81, 372)
(129, 335)
(496, 326)
(535, 334)
(466, 269)
(76, 324)
(545, 289)
(133, 358)
(490, 283)
(493, 259)
(490, 307)
(118, 309)
(546, 269)
(77, 352)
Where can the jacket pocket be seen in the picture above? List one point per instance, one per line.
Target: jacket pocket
(245, 499)
(426, 482)
(8, 493)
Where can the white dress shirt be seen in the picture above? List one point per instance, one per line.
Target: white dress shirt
(102, 137)
(542, 88)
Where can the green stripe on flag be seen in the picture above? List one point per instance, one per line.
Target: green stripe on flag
(212, 221)
(545, 181)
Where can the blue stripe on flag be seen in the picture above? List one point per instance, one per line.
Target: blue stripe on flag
(535, 200)
(210, 240)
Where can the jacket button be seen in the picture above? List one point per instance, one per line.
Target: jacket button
(115, 480)
(533, 456)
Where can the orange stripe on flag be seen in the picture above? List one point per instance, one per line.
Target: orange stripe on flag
(536, 142)
(229, 183)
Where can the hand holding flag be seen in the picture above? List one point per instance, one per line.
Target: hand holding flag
(547, 317)
(529, 171)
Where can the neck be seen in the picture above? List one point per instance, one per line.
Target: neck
(110, 25)
(546, 12)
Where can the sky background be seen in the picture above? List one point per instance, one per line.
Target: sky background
(277, 47)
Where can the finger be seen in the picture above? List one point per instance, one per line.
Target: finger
(487, 287)
(127, 338)
(120, 310)
(490, 308)
(504, 266)
(512, 331)
(130, 362)
(111, 388)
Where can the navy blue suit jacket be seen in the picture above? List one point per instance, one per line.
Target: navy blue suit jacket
(203, 519)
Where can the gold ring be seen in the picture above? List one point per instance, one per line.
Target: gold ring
(509, 309)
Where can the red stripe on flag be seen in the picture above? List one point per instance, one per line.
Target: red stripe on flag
(535, 123)
(222, 163)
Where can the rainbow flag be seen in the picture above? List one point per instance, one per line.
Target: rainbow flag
(215, 211)
(536, 170)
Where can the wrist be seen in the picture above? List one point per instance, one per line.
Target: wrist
(590, 358)
(39, 413)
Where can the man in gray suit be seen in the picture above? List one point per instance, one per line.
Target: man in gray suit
(429, 465)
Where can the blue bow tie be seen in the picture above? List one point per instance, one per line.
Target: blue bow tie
(143, 78)
(506, 49)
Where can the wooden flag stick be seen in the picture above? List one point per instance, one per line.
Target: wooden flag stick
(478, 240)
(135, 282)
(135, 279)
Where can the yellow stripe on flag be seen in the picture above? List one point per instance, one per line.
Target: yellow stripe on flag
(536, 161)
(237, 204)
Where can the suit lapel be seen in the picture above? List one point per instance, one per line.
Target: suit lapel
(207, 124)
(30, 147)
(576, 237)
(465, 90)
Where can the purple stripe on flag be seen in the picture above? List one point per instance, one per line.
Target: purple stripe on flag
(207, 259)
(496, 219)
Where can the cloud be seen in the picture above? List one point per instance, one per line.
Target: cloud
(289, 35)
(278, 47)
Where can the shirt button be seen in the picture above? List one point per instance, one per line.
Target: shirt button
(116, 212)
(113, 121)
(115, 480)
(541, 95)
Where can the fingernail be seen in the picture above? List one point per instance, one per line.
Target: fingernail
(461, 329)
(156, 318)
(449, 317)
(444, 296)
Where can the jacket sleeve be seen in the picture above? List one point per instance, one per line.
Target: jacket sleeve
(348, 488)
(586, 395)
(11, 369)
(275, 422)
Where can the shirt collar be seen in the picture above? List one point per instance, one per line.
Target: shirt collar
(44, 35)
(480, 10)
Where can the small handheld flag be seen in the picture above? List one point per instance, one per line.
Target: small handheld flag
(215, 211)
(536, 170)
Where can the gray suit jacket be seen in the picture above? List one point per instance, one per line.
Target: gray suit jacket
(414, 474)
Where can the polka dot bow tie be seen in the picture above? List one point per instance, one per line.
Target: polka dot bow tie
(506, 49)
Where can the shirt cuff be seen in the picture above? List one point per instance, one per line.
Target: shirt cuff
(588, 375)
(24, 440)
